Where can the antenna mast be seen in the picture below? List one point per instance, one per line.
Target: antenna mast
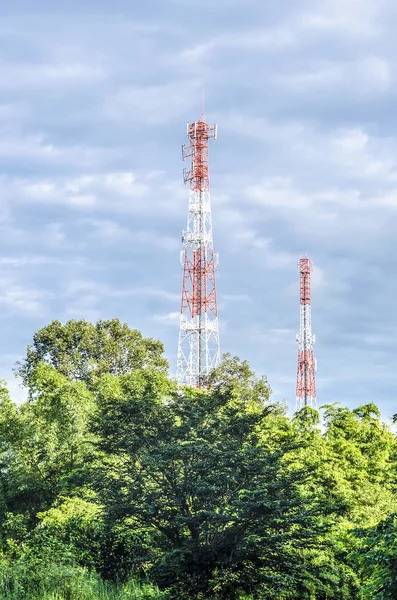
(307, 366)
(198, 351)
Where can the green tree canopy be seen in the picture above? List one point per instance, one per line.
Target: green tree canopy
(376, 560)
(82, 351)
(203, 472)
(47, 441)
(361, 458)
(109, 470)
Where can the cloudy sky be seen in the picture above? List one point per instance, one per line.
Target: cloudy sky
(93, 109)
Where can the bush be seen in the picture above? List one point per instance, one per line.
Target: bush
(25, 580)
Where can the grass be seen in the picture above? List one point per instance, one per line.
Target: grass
(72, 584)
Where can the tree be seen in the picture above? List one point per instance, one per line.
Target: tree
(376, 560)
(8, 423)
(360, 460)
(48, 441)
(108, 467)
(202, 471)
(82, 351)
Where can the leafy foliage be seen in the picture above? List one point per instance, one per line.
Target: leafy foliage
(376, 560)
(82, 351)
(109, 474)
(201, 470)
(32, 579)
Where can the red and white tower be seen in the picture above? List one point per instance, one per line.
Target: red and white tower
(306, 377)
(198, 351)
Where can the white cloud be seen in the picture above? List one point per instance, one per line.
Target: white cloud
(388, 199)
(368, 74)
(19, 299)
(153, 104)
(13, 112)
(278, 192)
(31, 260)
(281, 331)
(268, 39)
(113, 192)
(112, 231)
(240, 298)
(83, 191)
(356, 17)
(36, 148)
(171, 318)
(54, 234)
(95, 289)
(151, 239)
(318, 279)
(251, 239)
(84, 308)
(18, 76)
(260, 128)
(125, 184)
(104, 229)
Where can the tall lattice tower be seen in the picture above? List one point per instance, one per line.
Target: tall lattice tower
(306, 377)
(198, 351)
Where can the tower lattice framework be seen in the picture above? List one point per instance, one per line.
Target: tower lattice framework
(306, 376)
(198, 350)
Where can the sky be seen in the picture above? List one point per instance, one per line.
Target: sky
(94, 100)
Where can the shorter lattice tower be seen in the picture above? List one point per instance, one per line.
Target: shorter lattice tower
(198, 350)
(306, 376)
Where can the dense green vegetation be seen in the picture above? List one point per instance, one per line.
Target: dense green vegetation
(115, 484)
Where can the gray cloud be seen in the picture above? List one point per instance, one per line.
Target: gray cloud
(94, 105)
